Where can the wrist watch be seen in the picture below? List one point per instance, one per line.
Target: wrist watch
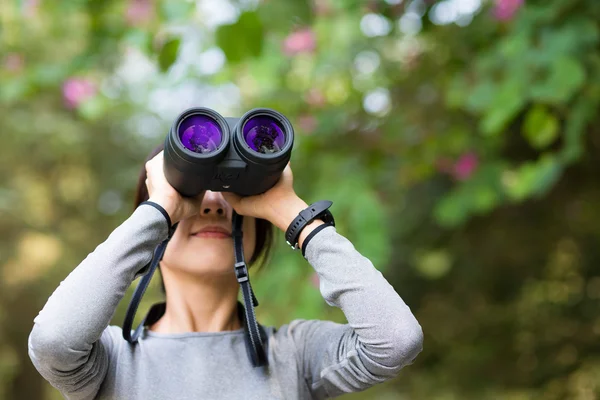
(318, 210)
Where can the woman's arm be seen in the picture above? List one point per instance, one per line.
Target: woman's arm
(382, 335)
(67, 344)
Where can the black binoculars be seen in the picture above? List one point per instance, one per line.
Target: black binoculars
(246, 155)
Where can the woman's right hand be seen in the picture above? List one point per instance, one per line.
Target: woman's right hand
(162, 193)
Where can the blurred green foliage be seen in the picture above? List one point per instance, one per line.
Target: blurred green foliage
(458, 140)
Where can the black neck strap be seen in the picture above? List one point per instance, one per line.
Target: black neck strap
(132, 337)
(254, 340)
(255, 336)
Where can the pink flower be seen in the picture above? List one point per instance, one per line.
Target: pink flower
(302, 41)
(139, 12)
(307, 123)
(465, 166)
(76, 91)
(505, 10)
(14, 62)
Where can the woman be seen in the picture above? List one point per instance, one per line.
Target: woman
(196, 349)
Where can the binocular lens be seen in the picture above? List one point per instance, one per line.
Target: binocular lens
(200, 134)
(264, 134)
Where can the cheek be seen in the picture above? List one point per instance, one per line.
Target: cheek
(175, 253)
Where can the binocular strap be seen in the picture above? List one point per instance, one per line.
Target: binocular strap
(139, 292)
(255, 338)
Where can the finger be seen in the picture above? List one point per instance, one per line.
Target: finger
(234, 200)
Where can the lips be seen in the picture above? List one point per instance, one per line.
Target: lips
(212, 231)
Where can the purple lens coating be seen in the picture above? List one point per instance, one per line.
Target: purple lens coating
(264, 134)
(200, 134)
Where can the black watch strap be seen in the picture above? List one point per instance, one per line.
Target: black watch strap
(318, 210)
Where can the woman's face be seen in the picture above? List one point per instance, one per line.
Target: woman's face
(202, 245)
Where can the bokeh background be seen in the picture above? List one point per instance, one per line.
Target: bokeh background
(458, 139)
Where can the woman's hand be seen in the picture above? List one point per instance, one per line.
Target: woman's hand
(162, 193)
(279, 205)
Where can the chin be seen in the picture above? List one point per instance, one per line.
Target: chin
(209, 260)
(203, 256)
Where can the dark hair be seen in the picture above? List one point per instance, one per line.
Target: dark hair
(264, 229)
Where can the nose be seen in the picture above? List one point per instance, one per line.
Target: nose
(214, 204)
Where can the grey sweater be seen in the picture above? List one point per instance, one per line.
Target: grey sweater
(72, 346)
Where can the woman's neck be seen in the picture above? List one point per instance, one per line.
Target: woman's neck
(206, 304)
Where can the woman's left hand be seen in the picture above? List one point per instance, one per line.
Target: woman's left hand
(279, 205)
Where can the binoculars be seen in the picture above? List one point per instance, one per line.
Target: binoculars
(246, 155)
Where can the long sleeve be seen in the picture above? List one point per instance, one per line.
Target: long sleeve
(69, 342)
(381, 337)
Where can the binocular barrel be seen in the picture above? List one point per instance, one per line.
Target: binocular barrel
(204, 151)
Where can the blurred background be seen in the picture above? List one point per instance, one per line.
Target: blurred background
(458, 140)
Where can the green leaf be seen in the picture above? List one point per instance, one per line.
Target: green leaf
(540, 127)
(532, 178)
(581, 114)
(480, 194)
(515, 46)
(571, 38)
(480, 97)
(451, 211)
(168, 54)
(506, 104)
(566, 76)
(242, 39)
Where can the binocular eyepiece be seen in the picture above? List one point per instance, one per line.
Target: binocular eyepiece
(204, 151)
